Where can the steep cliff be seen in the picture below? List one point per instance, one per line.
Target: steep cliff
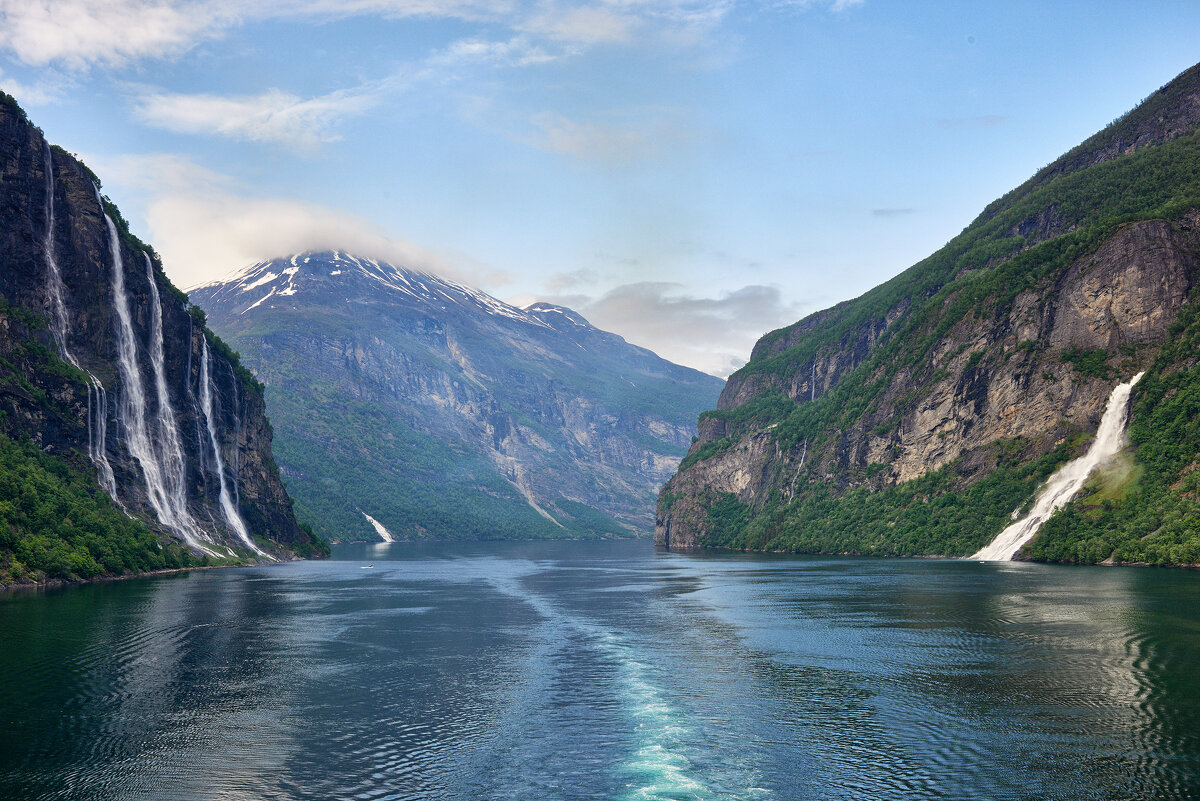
(106, 371)
(410, 406)
(916, 418)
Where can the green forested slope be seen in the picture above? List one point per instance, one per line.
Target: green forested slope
(950, 320)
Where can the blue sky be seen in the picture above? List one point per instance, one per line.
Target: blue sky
(687, 173)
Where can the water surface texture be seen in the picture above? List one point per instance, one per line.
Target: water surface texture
(605, 671)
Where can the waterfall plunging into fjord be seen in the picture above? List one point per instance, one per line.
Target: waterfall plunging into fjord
(1067, 480)
(169, 506)
(59, 326)
(170, 451)
(227, 503)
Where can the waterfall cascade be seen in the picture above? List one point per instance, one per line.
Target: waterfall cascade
(383, 533)
(1067, 480)
(170, 506)
(169, 449)
(59, 326)
(227, 503)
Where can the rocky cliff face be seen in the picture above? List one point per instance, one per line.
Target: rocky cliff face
(439, 411)
(106, 364)
(991, 356)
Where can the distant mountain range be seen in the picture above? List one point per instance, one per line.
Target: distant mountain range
(915, 419)
(409, 406)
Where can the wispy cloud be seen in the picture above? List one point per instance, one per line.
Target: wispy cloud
(836, 6)
(80, 34)
(892, 212)
(274, 116)
(206, 224)
(601, 24)
(48, 89)
(278, 117)
(517, 51)
(713, 334)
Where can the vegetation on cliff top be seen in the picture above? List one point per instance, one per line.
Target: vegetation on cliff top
(1020, 242)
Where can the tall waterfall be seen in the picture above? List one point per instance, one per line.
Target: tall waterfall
(227, 504)
(169, 449)
(59, 326)
(169, 505)
(1068, 479)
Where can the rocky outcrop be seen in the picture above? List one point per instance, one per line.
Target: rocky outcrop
(965, 362)
(72, 357)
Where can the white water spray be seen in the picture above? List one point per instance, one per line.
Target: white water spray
(170, 451)
(1067, 480)
(170, 507)
(383, 533)
(97, 424)
(227, 504)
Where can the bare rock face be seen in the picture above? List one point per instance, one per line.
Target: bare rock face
(1007, 341)
(62, 328)
(1121, 299)
(442, 412)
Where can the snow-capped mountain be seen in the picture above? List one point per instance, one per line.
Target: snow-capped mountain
(409, 402)
(275, 282)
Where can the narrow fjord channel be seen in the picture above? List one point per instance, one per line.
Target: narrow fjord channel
(605, 671)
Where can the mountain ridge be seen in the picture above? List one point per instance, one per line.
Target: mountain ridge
(913, 419)
(556, 427)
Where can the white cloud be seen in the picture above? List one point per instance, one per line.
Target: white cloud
(272, 117)
(836, 6)
(584, 25)
(279, 117)
(48, 89)
(712, 334)
(518, 51)
(79, 34)
(682, 23)
(206, 224)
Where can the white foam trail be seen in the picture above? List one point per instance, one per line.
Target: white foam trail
(132, 412)
(227, 505)
(379, 528)
(59, 326)
(1067, 480)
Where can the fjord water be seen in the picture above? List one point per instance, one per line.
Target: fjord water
(605, 671)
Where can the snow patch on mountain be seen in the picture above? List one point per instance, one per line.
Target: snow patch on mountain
(335, 271)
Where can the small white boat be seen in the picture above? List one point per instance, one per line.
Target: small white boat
(368, 567)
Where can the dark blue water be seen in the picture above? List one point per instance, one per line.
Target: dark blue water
(605, 671)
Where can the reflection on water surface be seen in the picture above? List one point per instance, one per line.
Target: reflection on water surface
(605, 671)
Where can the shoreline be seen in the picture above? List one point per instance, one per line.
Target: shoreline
(850, 554)
(56, 583)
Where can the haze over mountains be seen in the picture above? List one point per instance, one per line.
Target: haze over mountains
(406, 405)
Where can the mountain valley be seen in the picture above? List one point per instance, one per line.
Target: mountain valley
(408, 406)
